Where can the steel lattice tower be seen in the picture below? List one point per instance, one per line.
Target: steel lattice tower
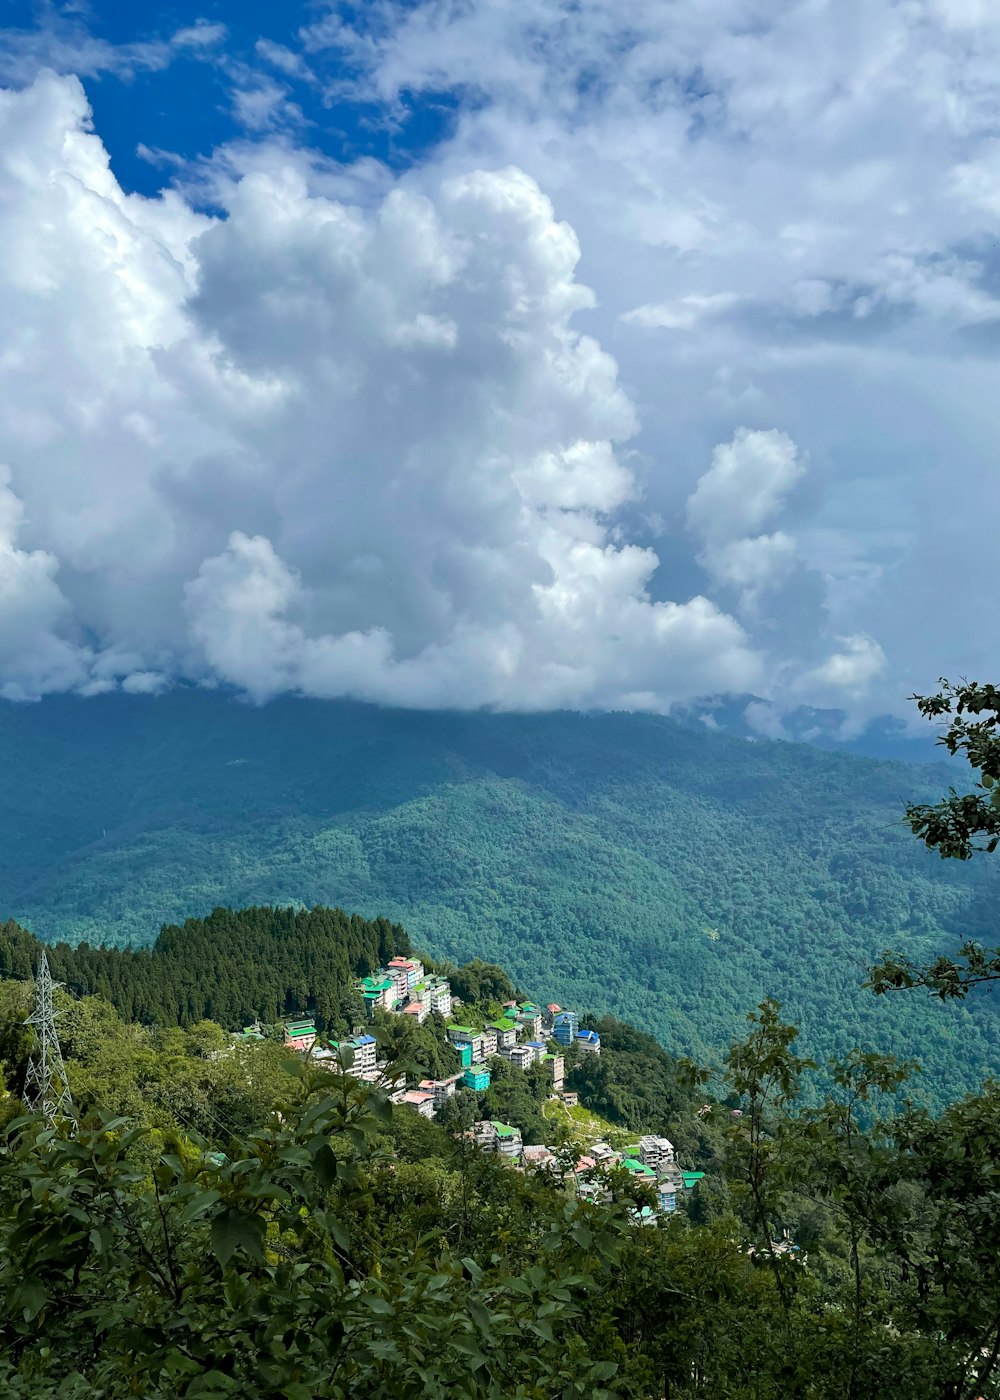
(46, 1087)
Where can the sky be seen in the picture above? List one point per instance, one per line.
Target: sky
(565, 354)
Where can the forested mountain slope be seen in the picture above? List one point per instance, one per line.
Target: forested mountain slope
(617, 862)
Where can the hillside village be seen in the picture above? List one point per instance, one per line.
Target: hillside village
(524, 1035)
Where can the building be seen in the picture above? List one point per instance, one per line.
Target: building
(420, 1100)
(411, 967)
(417, 1010)
(570, 1098)
(362, 1047)
(529, 1018)
(520, 1056)
(589, 1042)
(477, 1078)
(507, 1141)
(460, 1033)
(536, 1156)
(444, 1089)
(397, 976)
(378, 993)
(537, 1048)
(656, 1152)
(440, 999)
(507, 1032)
(603, 1154)
(549, 1014)
(300, 1034)
(565, 1025)
(637, 1169)
(484, 1135)
(556, 1067)
(489, 1041)
(464, 1052)
(666, 1196)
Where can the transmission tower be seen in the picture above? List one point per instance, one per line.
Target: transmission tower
(46, 1087)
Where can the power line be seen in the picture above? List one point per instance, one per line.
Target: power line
(46, 1088)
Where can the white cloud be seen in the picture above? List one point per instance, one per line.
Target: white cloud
(319, 446)
(848, 673)
(682, 314)
(748, 482)
(34, 658)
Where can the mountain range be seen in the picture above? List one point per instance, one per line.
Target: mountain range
(664, 872)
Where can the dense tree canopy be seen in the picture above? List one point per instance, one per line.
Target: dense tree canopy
(232, 967)
(668, 876)
(959, 825)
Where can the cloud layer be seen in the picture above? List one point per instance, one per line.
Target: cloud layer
(316, 447)
(356, 431)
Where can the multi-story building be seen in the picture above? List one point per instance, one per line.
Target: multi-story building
(399, 979)
(556, 1067)
(477, 1078)
(529, 1017)
(416, 1009)
(520, 1056)
(489, 1041)
(565, 1025)
(465, 1035)
(666, 1196)
(656, 1152)
(589, 1042)
(537, 1048)
(464, 1052)
(300, 1033)
(413, 968)
(639, 1170)
(549, 1014)
(440, 997)
(378, 992)
(362, 1047)
(507, 1141)
(445, 1088)
(507, 1033)
(420, 1100)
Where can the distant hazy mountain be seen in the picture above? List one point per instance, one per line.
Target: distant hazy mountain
(749, 717)
(666, 872)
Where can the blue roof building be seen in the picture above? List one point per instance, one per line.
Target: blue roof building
(565, 1027)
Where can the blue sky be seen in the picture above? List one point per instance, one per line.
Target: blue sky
(523, 356)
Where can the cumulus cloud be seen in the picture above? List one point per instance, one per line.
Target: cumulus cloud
(317, 446)
(848, 672)
(748, 483)
(789, 213)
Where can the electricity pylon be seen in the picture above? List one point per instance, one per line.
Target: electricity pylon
(46, 1087)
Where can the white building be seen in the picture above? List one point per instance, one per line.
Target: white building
(656, 1152)
(520, 1056)
(440, 998)
(420, 1100)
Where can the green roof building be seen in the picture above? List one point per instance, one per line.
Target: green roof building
(477, 1078)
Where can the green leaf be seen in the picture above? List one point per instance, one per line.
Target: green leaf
(236, 1229)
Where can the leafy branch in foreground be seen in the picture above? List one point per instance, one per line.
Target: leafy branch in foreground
(269, 1274)
(956, 827)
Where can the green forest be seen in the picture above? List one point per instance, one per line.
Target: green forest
(620, 863)
(219, 1219)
